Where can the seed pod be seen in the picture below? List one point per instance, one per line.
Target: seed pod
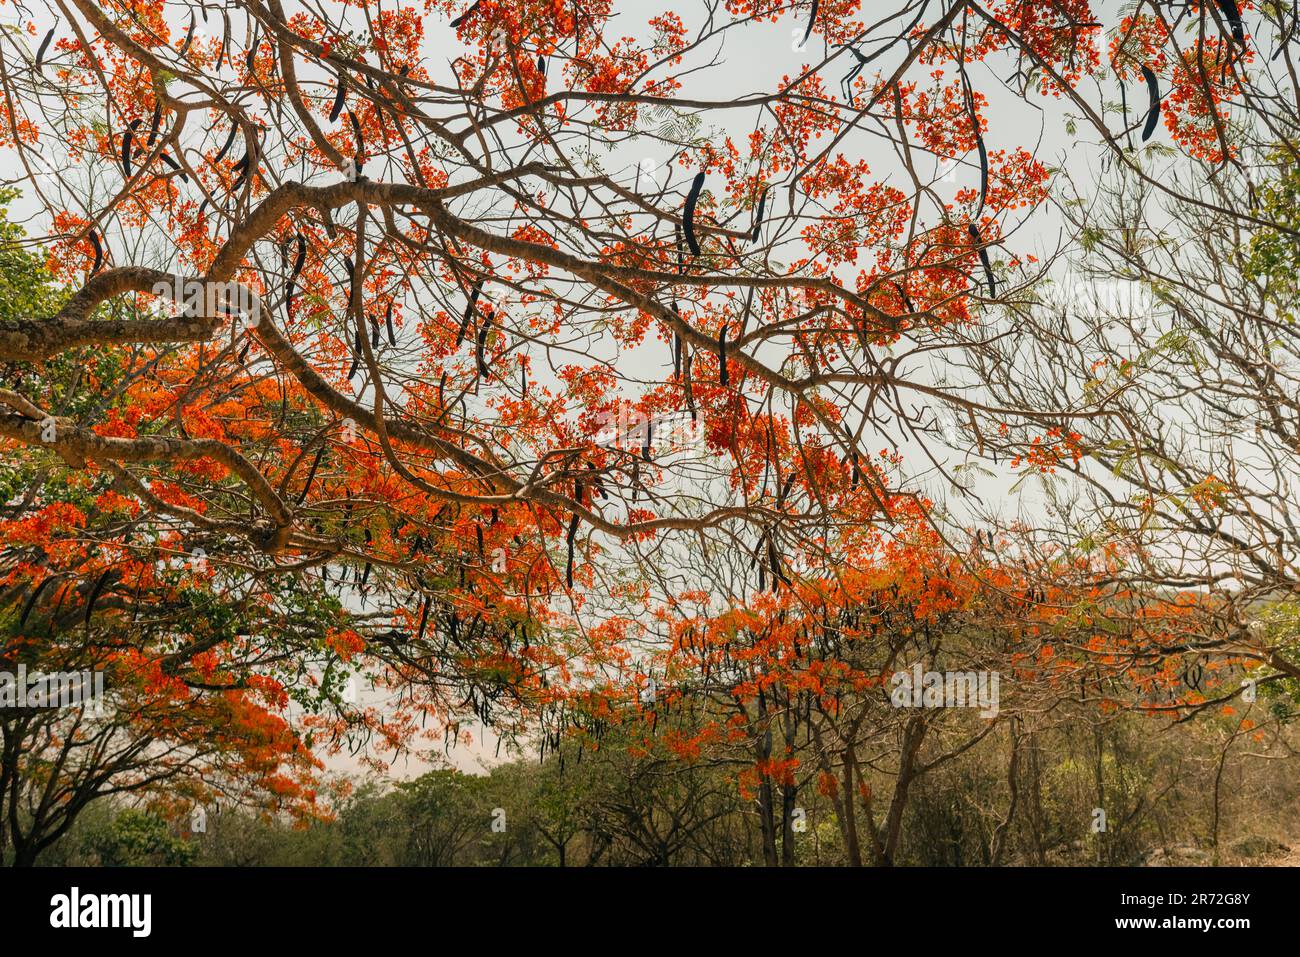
(455, 24)
(1232, 14)
(688, 216)
(812, 18)
(99, 251)
(573, 531)
(189, 37)
(311, 474)
(469, 311)
(361, 141)
(424, 618)
(31, 601)
(541, 64)
(984, 258)
(45, 45)
(95, 592)
(1153, 111)
(153, 123)
(356, 353)
(758, 217)
(785, 489)
(722, 355)
(483, 369)
(175, 166)
(243, 166)
(337, 107)
(250, 61)
(388, 321)
(984, 170)
(126, 147)
(230, 141)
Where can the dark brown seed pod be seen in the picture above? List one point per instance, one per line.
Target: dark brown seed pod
(31, 601)
(455, 24)
(479, 356)
(311, 474)
(99, 251)
(984, 258)
(812, 19)
(45, 45)
(469, 311)
(722, 355)
(573, 532)
(95, 593)
(337, 106)
(1153, 110)
(230, 141)
(1232, 14)
(758, 217)
(126, 147)
(424, 619)
(175, 166)
(189, 37)
(688, 215)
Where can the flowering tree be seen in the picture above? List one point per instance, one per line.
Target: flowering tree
(457, 338)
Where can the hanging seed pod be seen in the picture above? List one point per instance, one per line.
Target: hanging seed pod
(573, 532)
(388, 321)
(688, 216)
(455, 24)
(758, 218)
(189, 37)
(45, 45)
(99, 251)
(469, 311)
(175, 166)
(31, 601)
(722, 355)
(126, 147)
(424, 619)
(311, 474)
(1153, 110)
(230, 141)
(984, 258)
(812, 19)
(298, 261)
(95, 593)
(242, 167)
(484, 372)
(337, 106)
(1232, 14)
(360, 140)
(356, 353)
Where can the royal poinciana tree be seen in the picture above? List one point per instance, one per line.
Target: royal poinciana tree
(449, 345)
